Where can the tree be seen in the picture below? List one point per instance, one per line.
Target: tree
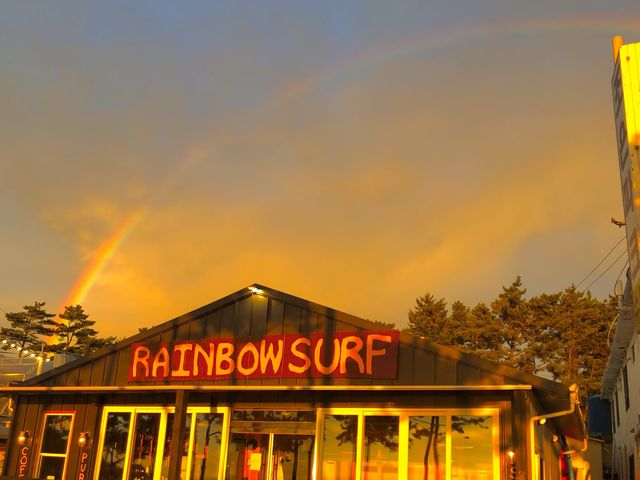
(28, 328)
(562, 335)
(428, 318)
(76, 333)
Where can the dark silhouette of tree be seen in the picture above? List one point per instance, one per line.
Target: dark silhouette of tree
(562, 335)
(28, 328)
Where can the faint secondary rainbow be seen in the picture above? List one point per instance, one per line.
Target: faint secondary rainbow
(350, 68)
(444, 37)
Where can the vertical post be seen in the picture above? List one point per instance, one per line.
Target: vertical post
(177, 434)
(520, 433)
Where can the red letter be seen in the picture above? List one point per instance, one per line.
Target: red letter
(223, 354)
(208, 358)
(301, 355)
(268, 356)
(141, 355)
(248, 348)
(161, 361)
(374, 353)
(182, 349)
(336, 357)
(353, 352)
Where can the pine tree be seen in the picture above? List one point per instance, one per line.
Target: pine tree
(28, 328)
(428, 318)
(76, 333)
(561, 335)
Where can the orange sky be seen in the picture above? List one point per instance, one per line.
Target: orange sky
(153, 160)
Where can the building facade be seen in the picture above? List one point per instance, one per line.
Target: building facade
(621, 383)
(262, 385)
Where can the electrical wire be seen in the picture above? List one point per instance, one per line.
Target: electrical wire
(601, 262)
(606, 270)
(623, 269)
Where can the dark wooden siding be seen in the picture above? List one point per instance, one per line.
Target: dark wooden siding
(255, 316)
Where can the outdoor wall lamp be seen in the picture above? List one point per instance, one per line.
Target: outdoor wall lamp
(83, 439)
(511, 465)
(23, 437)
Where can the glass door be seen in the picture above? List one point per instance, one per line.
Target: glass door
(247, 456)
(291, 457)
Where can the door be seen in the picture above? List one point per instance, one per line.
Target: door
(270, 456)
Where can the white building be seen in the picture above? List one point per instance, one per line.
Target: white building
(621, 383)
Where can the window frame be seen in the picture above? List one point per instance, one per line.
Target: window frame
(72, 414)
(403, 415)
(134, 410)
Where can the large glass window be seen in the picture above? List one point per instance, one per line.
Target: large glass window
(412, 444)
(340, 434)
(205, 446)
(471, 447)
(427, 447)
(114, 450)
(55, 445)
(137, 444)
(381, 440)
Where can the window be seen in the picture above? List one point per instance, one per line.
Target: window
(625, 383)
(420, 444)
(136, 443)
(55, 445)
(617, 409)
(339, 437)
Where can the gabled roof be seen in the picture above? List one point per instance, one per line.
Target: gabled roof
(451, 366)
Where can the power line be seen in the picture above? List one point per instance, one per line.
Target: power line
(607, 269)
(601, 262)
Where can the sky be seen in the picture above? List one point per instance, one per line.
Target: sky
(156, 156)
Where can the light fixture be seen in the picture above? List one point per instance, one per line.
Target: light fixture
(83, 439)
(13, 345)
(32, 355)
(23, 437)
(48, 360)
(542, 421)
(255, 290)
(4, 341)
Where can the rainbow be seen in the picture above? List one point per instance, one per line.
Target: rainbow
(446, 37)
(350, 68)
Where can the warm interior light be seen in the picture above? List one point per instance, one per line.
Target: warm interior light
(23, 436)
(83, 439)
(4, 341)
(13, 345)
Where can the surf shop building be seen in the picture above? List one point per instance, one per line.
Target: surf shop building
(261, 385)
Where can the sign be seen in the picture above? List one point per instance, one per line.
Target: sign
(626, 104)
(84, 465)
(343, 354)
(23, 461)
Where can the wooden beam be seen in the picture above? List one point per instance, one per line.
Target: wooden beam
(177, 434)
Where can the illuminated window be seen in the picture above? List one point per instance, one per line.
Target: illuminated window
(114, 450)
(136, 443)
(55, 445)
(427, 447)
(413, 444)
(471, 447)
(339, 447)
(381, 440)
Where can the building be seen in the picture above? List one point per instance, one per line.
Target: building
(263, 385)
(621, 383)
